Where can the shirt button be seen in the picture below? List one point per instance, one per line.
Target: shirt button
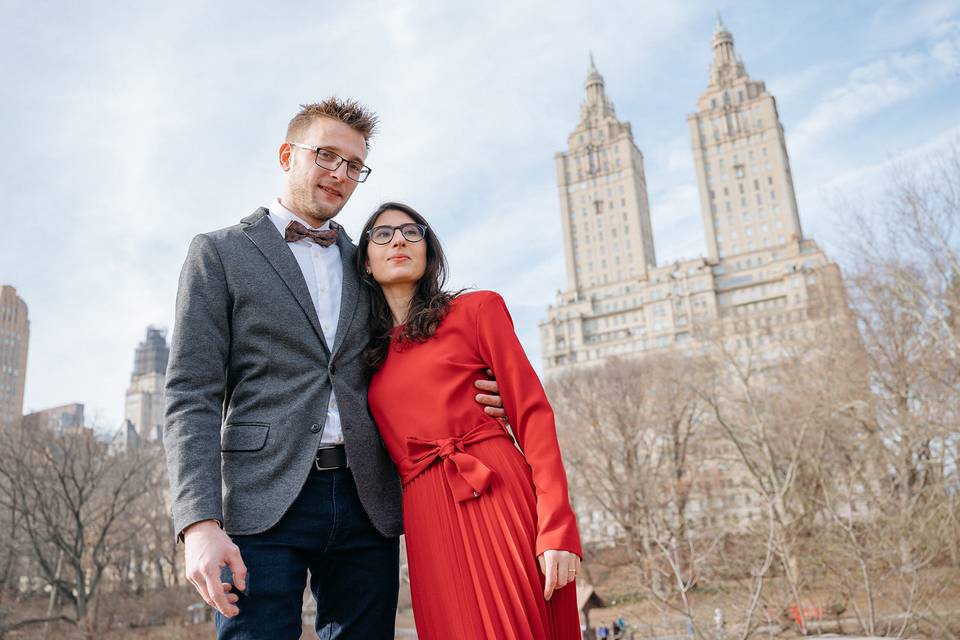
(315, 428)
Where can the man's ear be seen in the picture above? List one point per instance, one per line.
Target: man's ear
(285, 155)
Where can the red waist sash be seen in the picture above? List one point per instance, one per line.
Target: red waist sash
(467, 476)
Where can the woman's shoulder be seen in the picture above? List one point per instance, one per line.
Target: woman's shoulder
(480, 308)
(473, 300)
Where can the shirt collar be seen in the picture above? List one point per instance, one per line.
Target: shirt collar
(281, 217)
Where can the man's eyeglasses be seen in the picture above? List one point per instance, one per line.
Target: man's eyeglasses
(326, 159)
(411, 231)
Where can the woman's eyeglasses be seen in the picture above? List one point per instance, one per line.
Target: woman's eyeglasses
(411, 231)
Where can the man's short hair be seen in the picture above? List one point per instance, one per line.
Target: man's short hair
(349, 112)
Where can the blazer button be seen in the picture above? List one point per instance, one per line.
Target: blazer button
(315, 428)
(333, 369)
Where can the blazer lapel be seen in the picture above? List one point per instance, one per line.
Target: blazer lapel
(263, 233)
(349, 288)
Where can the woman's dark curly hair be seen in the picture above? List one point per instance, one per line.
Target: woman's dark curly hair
(430, 302)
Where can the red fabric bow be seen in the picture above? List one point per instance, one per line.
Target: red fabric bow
(466, 475)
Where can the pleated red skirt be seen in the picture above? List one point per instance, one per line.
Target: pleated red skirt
(473, 572)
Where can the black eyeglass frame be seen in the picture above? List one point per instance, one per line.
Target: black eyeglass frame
(399, 227)
(362, 174)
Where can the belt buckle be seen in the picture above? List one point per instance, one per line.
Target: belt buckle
(316, 461)
(316, 465)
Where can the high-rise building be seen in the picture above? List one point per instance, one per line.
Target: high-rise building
(760, 281)
(145, 395)
(740, 155)
(617, 301)
(603, 196)
(14, 339)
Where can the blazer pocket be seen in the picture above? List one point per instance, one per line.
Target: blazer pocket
(244, 436)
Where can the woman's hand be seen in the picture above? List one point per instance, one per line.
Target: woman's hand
(559, 568)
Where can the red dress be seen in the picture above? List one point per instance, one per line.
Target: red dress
(476, 510)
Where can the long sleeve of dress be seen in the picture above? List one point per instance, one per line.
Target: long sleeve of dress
(532, 420)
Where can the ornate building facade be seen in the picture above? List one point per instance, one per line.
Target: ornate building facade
(761, 282)
(758, 264)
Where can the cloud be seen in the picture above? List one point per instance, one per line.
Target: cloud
(876, 86)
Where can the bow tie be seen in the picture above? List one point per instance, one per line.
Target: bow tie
(296, 231)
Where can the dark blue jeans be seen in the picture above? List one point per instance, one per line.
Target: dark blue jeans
(354, 571)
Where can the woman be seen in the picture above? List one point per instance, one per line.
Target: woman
(492, 542)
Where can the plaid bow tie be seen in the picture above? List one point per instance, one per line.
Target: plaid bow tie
(296, 231)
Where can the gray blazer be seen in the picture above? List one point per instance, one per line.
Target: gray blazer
(248, 382)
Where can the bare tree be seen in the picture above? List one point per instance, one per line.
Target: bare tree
(901, 466)
(632, 430)
(75, 499)
(14, 550)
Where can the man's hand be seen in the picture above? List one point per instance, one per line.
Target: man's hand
(491, 400)
(207, 549)
(559, 569)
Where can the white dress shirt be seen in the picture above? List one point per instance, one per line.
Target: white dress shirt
(323, 272)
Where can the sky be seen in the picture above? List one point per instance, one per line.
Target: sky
(128, 128)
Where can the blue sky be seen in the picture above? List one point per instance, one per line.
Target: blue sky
(130, 127)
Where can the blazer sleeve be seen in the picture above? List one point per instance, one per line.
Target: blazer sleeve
(195, 387)
(532, 420)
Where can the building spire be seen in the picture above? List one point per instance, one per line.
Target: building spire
(597, 101)
(719, 26)
(726, 65)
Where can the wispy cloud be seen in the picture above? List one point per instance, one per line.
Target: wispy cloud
(873, 87)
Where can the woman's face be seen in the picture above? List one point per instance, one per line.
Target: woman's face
(399, 261)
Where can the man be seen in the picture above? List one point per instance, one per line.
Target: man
(276, 466)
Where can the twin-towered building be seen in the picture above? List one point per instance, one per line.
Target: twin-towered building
(617, 300)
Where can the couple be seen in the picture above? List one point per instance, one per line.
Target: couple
(291, 347)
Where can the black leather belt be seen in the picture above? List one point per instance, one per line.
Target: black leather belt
(330, 457)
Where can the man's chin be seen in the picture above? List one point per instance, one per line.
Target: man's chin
(324, 213)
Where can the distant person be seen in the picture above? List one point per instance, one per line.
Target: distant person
(492, 541)
(276, 466)
(617, 630)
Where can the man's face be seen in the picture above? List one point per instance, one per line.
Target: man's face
(313, 192)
